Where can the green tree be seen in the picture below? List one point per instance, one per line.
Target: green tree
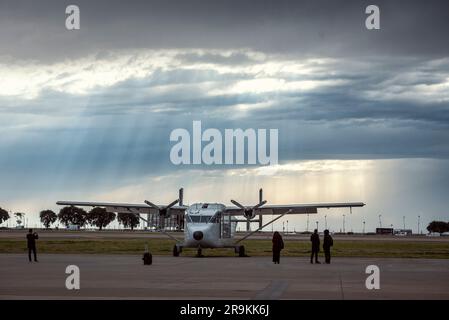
(47, 217)
(4, 215)
(129, 220)
(72, 215)
(438, 226)
(100, 217)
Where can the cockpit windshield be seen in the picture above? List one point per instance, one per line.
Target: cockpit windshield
(202, 219)
(199, 219)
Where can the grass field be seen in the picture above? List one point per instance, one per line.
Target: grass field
(381, 249)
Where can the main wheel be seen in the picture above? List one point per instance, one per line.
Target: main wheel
(175, 251)
(241, 251)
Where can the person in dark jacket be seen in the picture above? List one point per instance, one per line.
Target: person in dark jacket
(328, 242)
(31, 242)
(315, 238)
(278, 245)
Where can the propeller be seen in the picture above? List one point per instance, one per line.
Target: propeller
(162, 210)
(248, 211)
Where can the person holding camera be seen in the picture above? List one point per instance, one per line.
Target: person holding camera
(31, 242)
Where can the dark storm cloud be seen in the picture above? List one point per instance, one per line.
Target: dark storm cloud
(382, 95)
(36, 29)
(176, 91)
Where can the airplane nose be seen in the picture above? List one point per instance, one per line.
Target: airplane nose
(198, 235)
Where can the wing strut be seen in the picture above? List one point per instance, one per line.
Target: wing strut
(260, 228)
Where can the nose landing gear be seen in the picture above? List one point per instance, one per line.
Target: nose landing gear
(199, 253)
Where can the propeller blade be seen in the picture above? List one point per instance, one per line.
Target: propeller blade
(152, 205)
(257, 206)
(238, 204)
(172, 204)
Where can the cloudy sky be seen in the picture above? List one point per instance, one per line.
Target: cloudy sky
(362, 115)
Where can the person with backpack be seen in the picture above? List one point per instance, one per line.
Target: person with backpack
(328, 242)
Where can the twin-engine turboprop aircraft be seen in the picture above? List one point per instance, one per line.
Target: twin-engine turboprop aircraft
(211, 225)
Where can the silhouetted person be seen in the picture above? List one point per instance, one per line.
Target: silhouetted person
(328, 242)
(315, 238)
(278, 245)
(31, 241)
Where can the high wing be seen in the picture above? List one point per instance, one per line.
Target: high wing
(147, 207)
(123, 207)
(292, 208)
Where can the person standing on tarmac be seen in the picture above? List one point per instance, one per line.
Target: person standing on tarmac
(31, 243)
(315, 239)
(278, 245)
(328, 242)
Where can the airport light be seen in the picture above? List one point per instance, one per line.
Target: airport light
(307, 228)
(380, 221)
(419, 217)
(316, 225)
(344, 223)
(363, 227)
(325, 222)
(403, 220)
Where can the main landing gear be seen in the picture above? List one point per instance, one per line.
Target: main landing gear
(176, 251)
(240, 250)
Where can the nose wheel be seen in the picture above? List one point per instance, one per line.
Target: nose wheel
(199, 253)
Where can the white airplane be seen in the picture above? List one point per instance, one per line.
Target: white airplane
(211, 225)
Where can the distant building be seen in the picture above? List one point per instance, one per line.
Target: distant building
(405, 232)
(384, 230)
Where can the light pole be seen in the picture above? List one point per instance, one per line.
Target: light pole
(419, 217)
(317, 225)
(287, 226)
(380, 221)
(363, 227)
(403, 220)
(344, 223)
(283, 228)
(325, 222)
(307, 228)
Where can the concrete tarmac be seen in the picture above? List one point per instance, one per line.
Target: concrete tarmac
(125, 277)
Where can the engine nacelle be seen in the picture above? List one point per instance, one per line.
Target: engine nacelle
(249, 214)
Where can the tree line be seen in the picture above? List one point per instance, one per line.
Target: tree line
(438, 227)
(101, 218)
(98, 217)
